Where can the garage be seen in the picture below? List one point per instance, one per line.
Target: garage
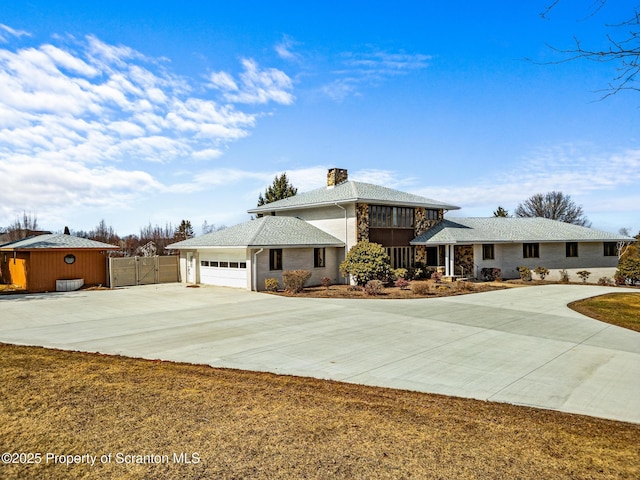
(227, 267)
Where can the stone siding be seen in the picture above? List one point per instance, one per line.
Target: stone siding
(362, 221)
(336, 176)
(463, 255)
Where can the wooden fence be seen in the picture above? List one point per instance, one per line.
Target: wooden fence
(130, 271)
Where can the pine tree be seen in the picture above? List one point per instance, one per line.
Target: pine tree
(501, 212)
(278, 190)
(184, 230)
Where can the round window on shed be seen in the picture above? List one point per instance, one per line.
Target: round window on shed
(69, 259)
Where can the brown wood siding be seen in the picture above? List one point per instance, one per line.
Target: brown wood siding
(45, 267)
(391, 237)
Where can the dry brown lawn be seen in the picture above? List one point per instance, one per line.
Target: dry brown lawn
(622, 309)
(256, 425)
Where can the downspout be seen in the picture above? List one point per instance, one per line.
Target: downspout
(255, 269)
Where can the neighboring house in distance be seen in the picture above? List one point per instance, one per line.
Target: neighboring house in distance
(46, 263)
(314, 230)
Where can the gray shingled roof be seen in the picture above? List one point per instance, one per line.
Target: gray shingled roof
(58, 241)
(510, 230)
(352, 192)
(263, 232)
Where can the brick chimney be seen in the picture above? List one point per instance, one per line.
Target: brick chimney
(336, 176)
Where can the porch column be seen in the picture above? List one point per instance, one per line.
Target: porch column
(447, 260)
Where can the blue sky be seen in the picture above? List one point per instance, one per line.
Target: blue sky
(152, 112)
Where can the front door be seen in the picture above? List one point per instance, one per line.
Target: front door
(191, 268)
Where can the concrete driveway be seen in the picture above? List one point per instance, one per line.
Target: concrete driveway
(520, 346)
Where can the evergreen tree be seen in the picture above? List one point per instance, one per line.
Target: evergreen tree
(501, 212)
(279, 189)
(184, 231)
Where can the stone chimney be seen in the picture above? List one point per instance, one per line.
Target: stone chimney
(336, 176)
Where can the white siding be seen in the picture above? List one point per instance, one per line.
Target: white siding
(301, 259)
(508, 257)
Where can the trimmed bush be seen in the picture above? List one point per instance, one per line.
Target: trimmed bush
(421, 288)
(584, 275)
(366, 261)
(604, 281)
(629, 270)
(401, 283)
(542, 272)
(436, 276)
(294, 280)
(374, 287)
(564, 276)
(491, 274)
(271, 284)
(326, 282)
(399, 272)
(525, 273)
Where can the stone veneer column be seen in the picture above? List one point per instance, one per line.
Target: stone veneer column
(421, 225)
(362, 221)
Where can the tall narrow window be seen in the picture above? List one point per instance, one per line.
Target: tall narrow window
(275, 259)
(318, 257)
(531, 250)
(572, 249)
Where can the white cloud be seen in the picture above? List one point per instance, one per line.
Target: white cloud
(6, 32)
(256, 86)
(285, 47)
(77, 115)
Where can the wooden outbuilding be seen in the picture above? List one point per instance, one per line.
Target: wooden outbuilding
(54, 262)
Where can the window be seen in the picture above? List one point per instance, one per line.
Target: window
(204, 263)
(531, 250)
(431, 214)
(224, 264)
(69, 259)
(488, 251)
(213, 264)
(275, 259)
(243, 264)
(318, 257)
(390, 217)
(610, 249)
(572, 249)
(233, 264)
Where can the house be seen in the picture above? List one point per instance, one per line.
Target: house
(314, 230)
(53, 262)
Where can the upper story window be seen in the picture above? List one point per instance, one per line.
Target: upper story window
(431, 214)
(390, 217)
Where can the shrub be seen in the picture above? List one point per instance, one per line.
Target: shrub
(604, 281)
(436, 276)
(399, 272)
(629, 269)
(464, 286)
(584, 275)
(421, 288)
(294, 280)
(326, 282)
(401, 283)
(374, 287)
(564, 276)
(542, 272)
(417, 271)
(525, 273)
(271, 284)
(491, 274)
(366, 261)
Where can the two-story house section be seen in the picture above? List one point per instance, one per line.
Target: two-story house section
(354, 211)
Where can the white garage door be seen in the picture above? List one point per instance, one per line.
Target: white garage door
(229, 270)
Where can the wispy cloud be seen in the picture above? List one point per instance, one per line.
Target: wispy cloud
(82, 121)
(285, 48)
(7, 32)
(256, 85)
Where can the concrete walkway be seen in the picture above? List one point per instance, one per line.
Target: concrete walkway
(520, 346)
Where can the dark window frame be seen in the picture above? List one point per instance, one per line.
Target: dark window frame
(571, 249)
(610, 249)
(275, 259)
(384, 216)
(488, 251)
(530, 250)
(319, 255)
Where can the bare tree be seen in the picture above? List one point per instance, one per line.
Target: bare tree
(553, 205)
(23, 227)
(623, 48)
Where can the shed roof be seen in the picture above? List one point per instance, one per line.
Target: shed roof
(511, 230)
(266, 231)
(56, 241)
(352, 192)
